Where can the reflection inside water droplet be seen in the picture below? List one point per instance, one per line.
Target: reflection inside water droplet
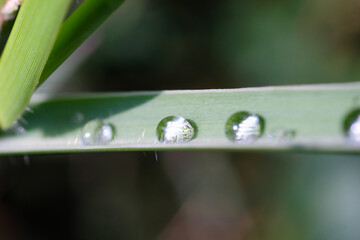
(96, 132)
(244, 127)
(282, 135)
(352, 126)
(175, 129)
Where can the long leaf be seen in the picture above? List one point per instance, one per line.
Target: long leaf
(25, 54)
(315, 114)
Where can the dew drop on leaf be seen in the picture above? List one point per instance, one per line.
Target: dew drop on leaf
(78, 118)
(244, 127)
(16, 128)
(282, 135)
(352, 126)
(28, 109)
(175, 129)
(96, 132)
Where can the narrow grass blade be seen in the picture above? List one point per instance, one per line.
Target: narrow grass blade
(76, 29)
(315, 114)
(25, 54)
(8, 13)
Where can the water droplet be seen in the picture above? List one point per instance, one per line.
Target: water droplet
(175, 129)
(78, 117)
(244, 127)
(282, 135)
(96, 132)
(23, 120)
(16, 128)
(352, 126)
(28, 109)
(26, 160)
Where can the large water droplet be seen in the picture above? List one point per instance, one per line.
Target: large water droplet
(175, 129)
(244, 127)
(282, 135)
(96, 132)
(352, 126)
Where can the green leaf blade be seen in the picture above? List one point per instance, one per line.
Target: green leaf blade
(316, 114)
(25, 54)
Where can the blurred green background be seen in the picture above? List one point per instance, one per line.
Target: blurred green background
(158, 45)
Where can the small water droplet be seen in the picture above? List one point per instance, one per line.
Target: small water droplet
(244, 127)
(78, 117)
(141, 137)
(16, 128)
(175, 129)
(26, 160)
(352, 126)
(96, 132)
(282, 135)
(23, 120)
(28, 109)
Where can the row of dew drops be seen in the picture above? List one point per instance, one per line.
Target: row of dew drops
(242, 127)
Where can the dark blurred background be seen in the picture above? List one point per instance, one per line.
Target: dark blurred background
(158, 45)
